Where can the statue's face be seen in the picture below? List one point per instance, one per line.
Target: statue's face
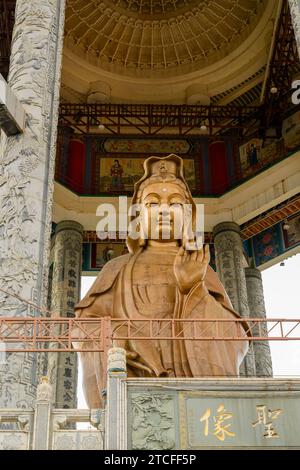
(163, 211)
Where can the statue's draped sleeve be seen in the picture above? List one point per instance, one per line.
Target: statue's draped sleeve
(97, 303)
(208, 358)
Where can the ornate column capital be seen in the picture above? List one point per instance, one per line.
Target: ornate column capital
(253, 272)
(116, 405)
(226, 227)
(69, 225)
(116, 360)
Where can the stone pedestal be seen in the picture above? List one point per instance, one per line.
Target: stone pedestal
(166, 414)
(190, 414)
(67, 261)
(230, 268)
(26, 180)
(262, 354)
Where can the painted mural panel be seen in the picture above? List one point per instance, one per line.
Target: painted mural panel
(267, 245)
(147, 146)
(103, 252)
(96, 253)
(292, 234)
(291, 131)
(120, 174)
(254, 157)
(250, 154)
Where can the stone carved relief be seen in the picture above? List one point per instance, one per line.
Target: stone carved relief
(153, 424)
(90, 442)
(44, 390)
(66, 271)
(24, 422)
(262, 354)
(229, 260)
(116, 360)
(59, 421)
(63, 441)
(26, 177)
(13, 441)
(64, 295)
(14, 374)
(98, 419)
(229, 254)
(263, 361)
(77, 440)
(295, 15)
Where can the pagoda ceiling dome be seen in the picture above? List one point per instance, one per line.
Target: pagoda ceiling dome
(149, 37)
(164, 51)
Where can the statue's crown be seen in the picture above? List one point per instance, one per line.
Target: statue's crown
(164, 169)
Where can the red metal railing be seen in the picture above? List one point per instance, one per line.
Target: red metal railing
(98, 335)
(155, 119)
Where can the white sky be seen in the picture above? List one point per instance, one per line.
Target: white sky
(282, 299)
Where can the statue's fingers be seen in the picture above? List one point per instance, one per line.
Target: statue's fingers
(206, 256)
(185, 256)
(179, 257)
(194, 255)
(200, 254)
(180, 251)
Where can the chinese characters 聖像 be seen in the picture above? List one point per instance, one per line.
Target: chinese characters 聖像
(265, 417)
(219, 424)
(220, 428)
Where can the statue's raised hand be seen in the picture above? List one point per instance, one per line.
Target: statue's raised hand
(190, 267)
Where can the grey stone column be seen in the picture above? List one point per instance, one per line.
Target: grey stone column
(255, 292)
(65, 294)
(26, 180)
(229, 262)
(44, 356)
(295, 15)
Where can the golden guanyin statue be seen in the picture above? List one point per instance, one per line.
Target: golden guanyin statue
(162, 278)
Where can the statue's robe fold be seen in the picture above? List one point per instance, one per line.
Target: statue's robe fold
(112, 296)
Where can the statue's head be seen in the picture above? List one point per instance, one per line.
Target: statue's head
(167, 209)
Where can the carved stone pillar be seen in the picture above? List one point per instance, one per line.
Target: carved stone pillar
(67, 260)
(26, 180)
(230, 268)
(295, 15)
(116, 405)
(262, 354)
(42, 416)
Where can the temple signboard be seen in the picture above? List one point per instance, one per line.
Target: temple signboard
(241, 421)
(213, 414)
